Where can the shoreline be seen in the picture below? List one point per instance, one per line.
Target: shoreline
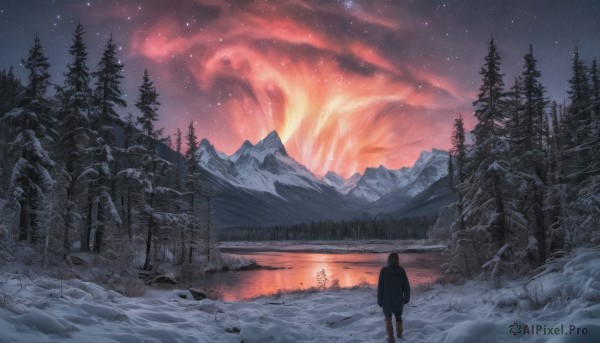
(334, 247)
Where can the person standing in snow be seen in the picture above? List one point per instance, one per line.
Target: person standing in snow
(393, 292)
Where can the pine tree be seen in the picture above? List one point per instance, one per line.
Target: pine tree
(148, 105)
(37, 65)
(108, 82)
(9, 88)
(451, 169)
(33, 128)
(579, 93)
(531, 155)
(577, 120)
(129, 177)
(178, 154)
(490, 113)
(582, 154)
(77, 78)
(459, 148)
(514, 125)
(554, 194)
(595, 80)
(458, 151)
(156, 201)
(480, 232)
(193, 184)
(73, 130)
(102, 211)
(489, 105)
(52, 226)
(210, 237)
(180, 204)
(535, 103)
(554, 144)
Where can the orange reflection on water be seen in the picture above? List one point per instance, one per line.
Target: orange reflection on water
(299, 271)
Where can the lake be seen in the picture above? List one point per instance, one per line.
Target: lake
(299, 271)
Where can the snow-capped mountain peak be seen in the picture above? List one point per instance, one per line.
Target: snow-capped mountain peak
(377, 182)
(243, 149)
(259, 167)
(333, 179)
(214, 161)
(339, 183)
(268, 145)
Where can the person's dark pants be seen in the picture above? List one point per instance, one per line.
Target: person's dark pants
(389, 328)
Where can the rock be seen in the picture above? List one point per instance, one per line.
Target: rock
(116, 283)
(234, 329)
(78, 260)
(198, 294)
(161, 278)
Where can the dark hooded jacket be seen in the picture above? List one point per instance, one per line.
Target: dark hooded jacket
(393, 289)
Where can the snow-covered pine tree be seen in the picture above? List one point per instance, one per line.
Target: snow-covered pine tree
(458, 154)
(77, 78)
(193, 184)
(577, 119)
(73, 131)
(528, 163)
(581, 151)
(131, 183)
(483, 241)
(514, 118)
(595, 80)
(108, 93)
(459, 148)
(148, 105)
(102, 211)
(555, 190)
(9, 89)
(37, 67)
(32, 126)
(157, 201)
(178, 169)
(180, 204)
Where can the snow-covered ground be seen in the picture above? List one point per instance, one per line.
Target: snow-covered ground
(342, 247)
(566, 295)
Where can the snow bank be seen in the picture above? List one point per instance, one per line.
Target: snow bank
(565, 296)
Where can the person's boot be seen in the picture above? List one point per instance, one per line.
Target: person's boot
(399, 327)
(389, 329)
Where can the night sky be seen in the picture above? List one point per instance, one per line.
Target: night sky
(346, 84)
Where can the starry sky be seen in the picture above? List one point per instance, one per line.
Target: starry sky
(347, 84)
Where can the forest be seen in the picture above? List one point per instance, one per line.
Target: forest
(355, 229)
(527, 177)
(76, 177)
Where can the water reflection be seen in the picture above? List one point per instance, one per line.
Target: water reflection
(300, 271)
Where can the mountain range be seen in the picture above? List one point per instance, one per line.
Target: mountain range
(260, 184)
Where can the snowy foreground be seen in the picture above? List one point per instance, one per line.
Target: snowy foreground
(565, 296)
